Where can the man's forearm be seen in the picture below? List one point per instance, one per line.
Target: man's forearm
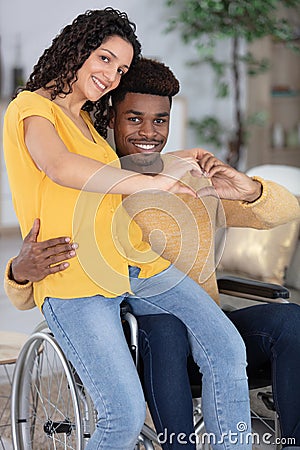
(260, 213)
(20, 295)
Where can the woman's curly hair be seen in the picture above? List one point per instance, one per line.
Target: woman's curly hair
(147, 76)
(57, 68)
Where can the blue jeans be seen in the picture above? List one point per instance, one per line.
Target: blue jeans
(271, 333)
(90, 333)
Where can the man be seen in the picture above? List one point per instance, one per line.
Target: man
(140, 119)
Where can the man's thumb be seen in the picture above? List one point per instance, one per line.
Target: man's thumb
(34, 232)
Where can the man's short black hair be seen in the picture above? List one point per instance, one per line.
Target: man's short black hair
(147, 76)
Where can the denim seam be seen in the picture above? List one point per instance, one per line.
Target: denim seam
(151, 378)
(257, 333)
(274, 390)
(260, 334)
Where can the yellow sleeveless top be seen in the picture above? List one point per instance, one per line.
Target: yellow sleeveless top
(108, 239)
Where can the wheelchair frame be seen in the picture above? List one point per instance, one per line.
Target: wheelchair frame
(63, 418)
(68, 417)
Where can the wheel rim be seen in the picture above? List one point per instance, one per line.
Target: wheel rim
(45, 403)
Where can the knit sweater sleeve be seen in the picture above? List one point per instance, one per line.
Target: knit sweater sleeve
(275, 206)
(20, 295)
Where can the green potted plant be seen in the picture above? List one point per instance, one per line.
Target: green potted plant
(203, 23)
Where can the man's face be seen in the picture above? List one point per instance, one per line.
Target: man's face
(141, 126)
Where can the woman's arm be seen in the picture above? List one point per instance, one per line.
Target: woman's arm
(79, 172)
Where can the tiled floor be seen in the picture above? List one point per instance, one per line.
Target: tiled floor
(25, 321)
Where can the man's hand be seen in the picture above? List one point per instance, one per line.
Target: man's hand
(37, 260)
(228, 182)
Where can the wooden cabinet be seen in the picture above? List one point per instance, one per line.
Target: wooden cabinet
(277, 94)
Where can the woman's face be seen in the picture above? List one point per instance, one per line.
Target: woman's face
(103, 69)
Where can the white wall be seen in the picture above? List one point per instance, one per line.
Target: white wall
(36, 22)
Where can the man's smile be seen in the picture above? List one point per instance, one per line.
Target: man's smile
(146, 147)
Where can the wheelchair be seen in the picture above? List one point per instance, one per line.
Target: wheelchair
(51, 409)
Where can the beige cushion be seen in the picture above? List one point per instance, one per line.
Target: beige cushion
(293, 272)
(260, 254)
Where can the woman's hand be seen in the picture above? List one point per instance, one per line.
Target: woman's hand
(175, 167)
(228, 182)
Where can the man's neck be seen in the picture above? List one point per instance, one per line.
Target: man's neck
(129, 163)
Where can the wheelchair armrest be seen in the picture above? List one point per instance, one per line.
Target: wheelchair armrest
(253, 290)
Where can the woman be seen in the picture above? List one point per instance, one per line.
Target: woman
(53, 150)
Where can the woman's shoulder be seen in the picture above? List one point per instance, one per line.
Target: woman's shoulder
(29, 103)
(25, 97)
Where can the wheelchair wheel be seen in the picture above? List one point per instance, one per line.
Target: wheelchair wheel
(50, 408)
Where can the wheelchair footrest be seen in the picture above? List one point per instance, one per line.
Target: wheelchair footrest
(267, 399)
